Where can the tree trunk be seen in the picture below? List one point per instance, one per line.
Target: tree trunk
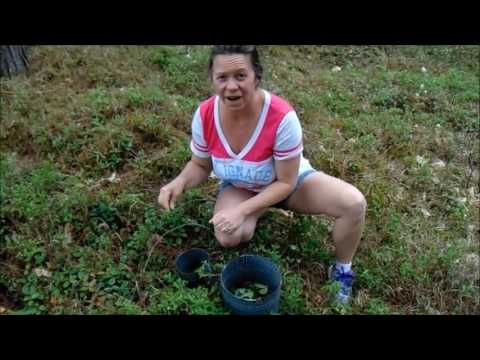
(13, 59)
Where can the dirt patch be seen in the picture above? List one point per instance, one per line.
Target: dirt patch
(315, 278)
(7, 301)
(467, 268)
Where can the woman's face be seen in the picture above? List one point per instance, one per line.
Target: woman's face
(234, 80)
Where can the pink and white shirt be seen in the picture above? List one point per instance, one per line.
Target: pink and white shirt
(278, 136)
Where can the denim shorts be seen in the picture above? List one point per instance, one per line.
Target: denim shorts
(282, 204)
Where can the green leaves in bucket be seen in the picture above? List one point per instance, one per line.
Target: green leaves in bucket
(251, 291)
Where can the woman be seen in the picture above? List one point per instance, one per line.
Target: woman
(252, 140)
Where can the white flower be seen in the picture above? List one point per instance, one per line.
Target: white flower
(424, 69)
(113, 178)
(42, 272)
(421, 160)
(422, 86)
(336, 69)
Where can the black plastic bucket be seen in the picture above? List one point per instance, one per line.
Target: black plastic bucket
(251, 268)
(188, 262)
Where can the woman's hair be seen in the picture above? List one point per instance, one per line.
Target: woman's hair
(238, 49)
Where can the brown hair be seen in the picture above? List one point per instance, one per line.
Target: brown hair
(238, 49)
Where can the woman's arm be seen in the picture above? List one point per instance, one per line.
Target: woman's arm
(195, 173)
(287, 173)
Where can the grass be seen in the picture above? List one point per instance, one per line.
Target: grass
(90, 133)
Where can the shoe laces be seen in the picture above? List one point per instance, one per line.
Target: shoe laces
(345, 278)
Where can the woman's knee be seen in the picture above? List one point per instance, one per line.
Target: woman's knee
(248, 230)
(243, 234)
(356, 205)
(229, 241)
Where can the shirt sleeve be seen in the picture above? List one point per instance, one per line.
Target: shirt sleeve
(289, 138)
(198, 145)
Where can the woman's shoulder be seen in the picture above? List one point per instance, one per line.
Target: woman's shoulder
(206, 102)
(279, 104)
(206, 107)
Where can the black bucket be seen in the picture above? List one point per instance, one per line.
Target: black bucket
(255, 269)
(188, 262)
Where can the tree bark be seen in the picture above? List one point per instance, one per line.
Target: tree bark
(13, 60)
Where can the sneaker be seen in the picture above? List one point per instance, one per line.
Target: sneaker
(345, 280)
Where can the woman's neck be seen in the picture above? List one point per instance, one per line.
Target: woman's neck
(250, 112)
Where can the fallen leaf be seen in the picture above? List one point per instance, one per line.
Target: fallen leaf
(471, 193)
(104, 226)
(287, 214)
(438, 164)
(425, 213)
(441, 227)
(113, 178)
(156, 239)
(68, 234)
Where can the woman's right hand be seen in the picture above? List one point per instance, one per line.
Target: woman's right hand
(169, 193)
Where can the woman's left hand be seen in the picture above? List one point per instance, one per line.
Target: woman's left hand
(227, 221)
